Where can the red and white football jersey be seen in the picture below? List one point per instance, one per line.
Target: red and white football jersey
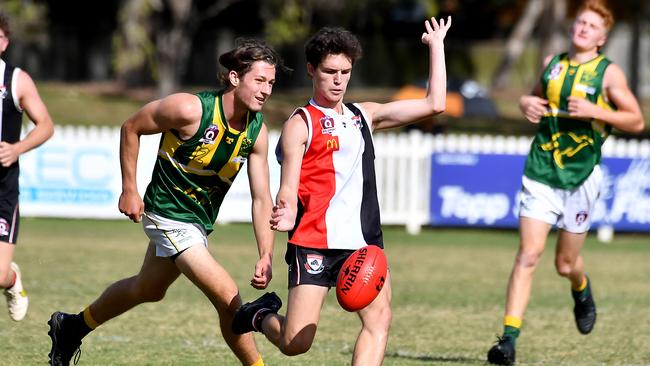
(337, 195)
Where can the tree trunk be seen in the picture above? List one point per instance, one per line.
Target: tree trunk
(635, 46)
(131, 43)
(174, 39)
(517, 41)
(553, 35)
(174, 44)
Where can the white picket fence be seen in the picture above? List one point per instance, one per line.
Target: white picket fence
(80, 166)
(404, 166)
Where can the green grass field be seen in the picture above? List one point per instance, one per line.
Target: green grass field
(448, 294)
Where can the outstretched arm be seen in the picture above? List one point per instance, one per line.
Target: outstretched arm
(181, 112)
(401, 113)
(627, 117)
(258, 177)
(292, 143)
(30, 101)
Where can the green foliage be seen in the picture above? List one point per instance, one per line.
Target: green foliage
(289, 24)
(28, 20)
(430, 7)
(448, 291)
(133, 47)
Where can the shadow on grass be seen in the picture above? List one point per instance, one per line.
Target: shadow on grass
(430, 358)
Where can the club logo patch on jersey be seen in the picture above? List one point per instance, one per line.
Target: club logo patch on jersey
(3, 91)
(327, 125)
(246, 144)
(356, 122)
(209, 135)
(581, 217)
(588, 76)
(555, 72)
(4, 227)
(314, 264)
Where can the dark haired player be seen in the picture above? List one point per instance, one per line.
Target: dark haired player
(328, 194)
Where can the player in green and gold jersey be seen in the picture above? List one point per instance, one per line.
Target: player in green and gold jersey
(206, 138)
(581, 96)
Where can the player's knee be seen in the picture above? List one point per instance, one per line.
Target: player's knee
(296, 346)
(528, 259)
(563, 267)
(378, 320)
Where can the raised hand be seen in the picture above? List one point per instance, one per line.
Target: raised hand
(435, 32)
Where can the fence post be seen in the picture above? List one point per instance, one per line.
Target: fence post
(413, 216)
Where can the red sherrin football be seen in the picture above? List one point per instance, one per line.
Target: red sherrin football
(361, 278)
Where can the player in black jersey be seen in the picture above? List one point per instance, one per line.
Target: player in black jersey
(18, 94)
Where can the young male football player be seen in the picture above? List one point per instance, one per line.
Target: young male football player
(206, 138)
(328, 195)
(580, 97)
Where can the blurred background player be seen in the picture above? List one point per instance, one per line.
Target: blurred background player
(18, 93)
(328, 194)
(581, 95)
(206, 138)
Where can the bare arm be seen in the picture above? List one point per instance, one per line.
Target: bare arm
(403, 112)
(30, 101)
(258, 177)
(627, 117)
(181, 112)
(292, 143)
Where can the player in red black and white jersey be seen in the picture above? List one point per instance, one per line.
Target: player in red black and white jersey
(337, 203)
(328, 196)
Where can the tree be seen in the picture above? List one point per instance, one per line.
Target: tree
(28, 27)
(157, 35)
(552, 39)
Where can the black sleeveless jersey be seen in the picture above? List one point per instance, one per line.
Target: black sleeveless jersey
(11, 116)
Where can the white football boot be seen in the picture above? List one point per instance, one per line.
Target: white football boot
(17, 301)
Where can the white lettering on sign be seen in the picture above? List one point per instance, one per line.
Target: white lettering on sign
(473, 207)
(631, 198)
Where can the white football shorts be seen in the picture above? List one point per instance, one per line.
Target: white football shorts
(569, 209)
(170, 236)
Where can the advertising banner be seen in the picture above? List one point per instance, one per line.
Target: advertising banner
(77, 174)
(469, 189)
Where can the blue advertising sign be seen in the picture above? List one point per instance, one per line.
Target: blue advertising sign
(483, 190)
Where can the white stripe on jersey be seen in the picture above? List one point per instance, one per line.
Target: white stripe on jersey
(3, 66)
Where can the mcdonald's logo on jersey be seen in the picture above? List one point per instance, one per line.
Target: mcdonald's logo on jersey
(332, 143)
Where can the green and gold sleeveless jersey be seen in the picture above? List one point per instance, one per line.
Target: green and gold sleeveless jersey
(566, 149)
(191, 177)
